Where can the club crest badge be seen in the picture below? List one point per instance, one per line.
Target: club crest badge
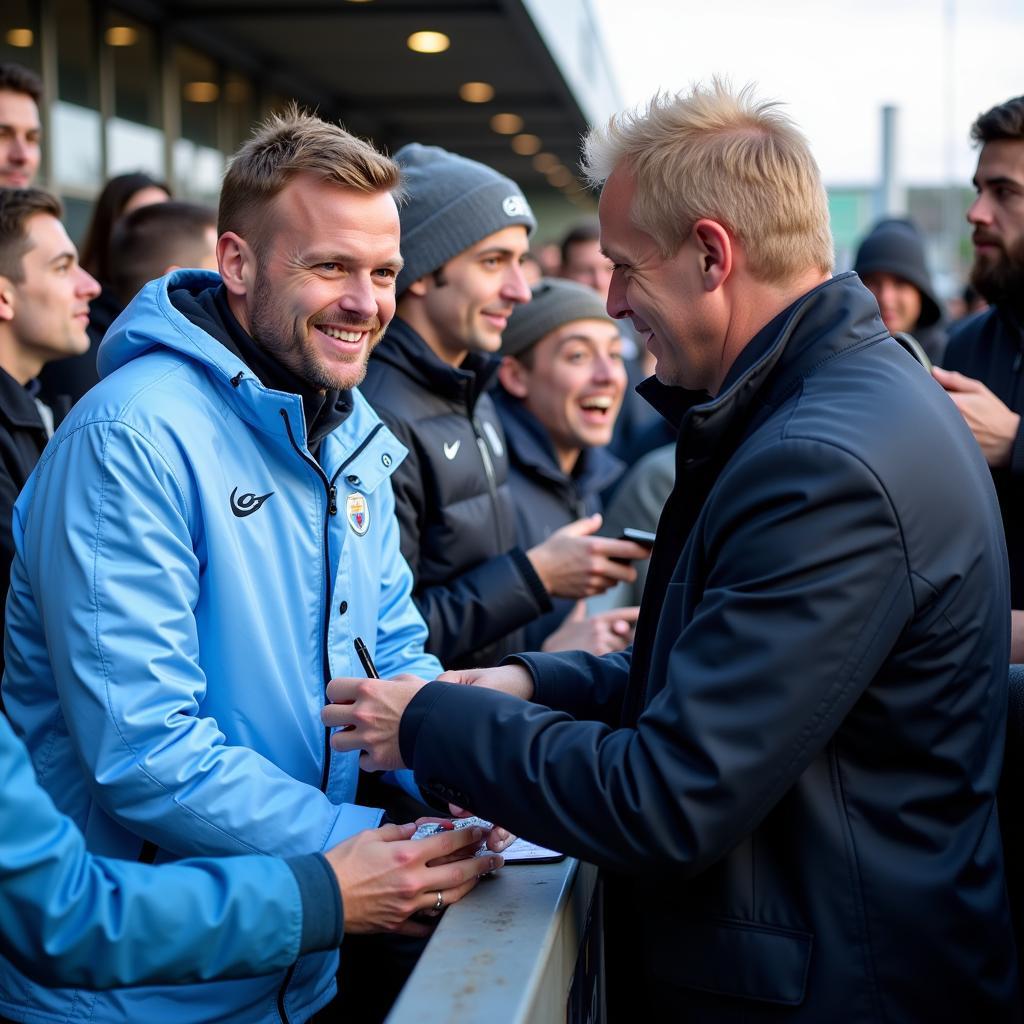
(358, 513)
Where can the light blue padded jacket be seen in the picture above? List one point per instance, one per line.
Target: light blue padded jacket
(186, 578)
(71, 918)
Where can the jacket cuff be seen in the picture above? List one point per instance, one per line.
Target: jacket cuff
(323, 915)
(546, 688)
(413, 717)
(1017, 451)
(533, 581)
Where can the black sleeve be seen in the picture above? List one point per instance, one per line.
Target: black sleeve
(806, 596)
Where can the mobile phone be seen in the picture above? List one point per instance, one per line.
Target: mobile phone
(642, 537)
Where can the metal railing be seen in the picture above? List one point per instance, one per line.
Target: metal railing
(524, 946)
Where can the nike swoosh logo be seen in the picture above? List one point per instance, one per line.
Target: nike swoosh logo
(451, 449)
(247, 503)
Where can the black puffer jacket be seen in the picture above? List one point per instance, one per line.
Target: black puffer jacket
(545, 497)
(791, 777)
(990, 347)
(474, 585)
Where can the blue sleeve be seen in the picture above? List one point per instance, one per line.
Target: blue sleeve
(70, 918)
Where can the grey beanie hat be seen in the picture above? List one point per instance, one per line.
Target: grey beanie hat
(453, 202)
(555, 302)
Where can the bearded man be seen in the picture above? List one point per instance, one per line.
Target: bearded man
(983, 361)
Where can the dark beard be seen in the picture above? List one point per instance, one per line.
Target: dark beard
(1001, 282)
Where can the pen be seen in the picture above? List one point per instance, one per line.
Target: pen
(365, 660)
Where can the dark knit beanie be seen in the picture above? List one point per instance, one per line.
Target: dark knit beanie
(452, 204)
(896, 247)
(554, 302)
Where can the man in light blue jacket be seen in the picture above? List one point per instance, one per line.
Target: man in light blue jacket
(201, 544)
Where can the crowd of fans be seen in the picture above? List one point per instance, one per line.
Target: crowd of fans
(240, 490)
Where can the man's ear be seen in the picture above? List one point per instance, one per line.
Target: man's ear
(513, 377)
(419, 286)
(6, 299)
(237, 263)
(715, 251)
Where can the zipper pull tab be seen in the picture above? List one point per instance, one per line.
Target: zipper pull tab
(332, 494)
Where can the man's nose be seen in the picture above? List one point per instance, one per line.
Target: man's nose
(515, 287)
(17, 151)
(616, 303)
(358, 296)
(980, 211)
(88, 286)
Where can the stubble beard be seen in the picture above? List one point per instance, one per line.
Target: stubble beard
(295, 350)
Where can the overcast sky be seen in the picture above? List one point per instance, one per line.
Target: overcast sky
(835, 63)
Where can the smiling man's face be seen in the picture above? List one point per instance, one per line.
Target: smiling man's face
(324, 289)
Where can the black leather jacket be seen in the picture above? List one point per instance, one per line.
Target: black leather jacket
(790, 779)
(474, 585)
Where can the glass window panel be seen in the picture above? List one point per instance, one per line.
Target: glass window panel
(75, 136)
(131, 48)
(19, 33)
(199, 93)
(134, 139)
(198, 171)
(239, 109)
(134, 147)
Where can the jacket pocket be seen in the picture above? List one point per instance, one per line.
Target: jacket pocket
(731, 958)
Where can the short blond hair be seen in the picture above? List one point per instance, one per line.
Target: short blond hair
(289, 143)
(728, 157)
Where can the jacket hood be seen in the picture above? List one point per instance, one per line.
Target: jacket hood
(152, 320)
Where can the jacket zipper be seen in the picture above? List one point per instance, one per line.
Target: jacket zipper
(332, 510)
(492, 482)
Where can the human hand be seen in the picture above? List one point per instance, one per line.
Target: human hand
(367, 714)
(602, 633)
(992, 423)
(512, 679)
(498, 838)
(572, 562)
(385, 877)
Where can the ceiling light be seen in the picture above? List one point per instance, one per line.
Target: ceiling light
(20, 37)
(560, 176)
(428, 42)
(507, 124)
(526, 145)
(121, 35)
(200, 92)
(476, 92)
(546, 162)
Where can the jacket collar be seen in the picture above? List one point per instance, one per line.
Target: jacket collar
(530, 448)
(835, 317)
(404, 348)
(17, 406)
